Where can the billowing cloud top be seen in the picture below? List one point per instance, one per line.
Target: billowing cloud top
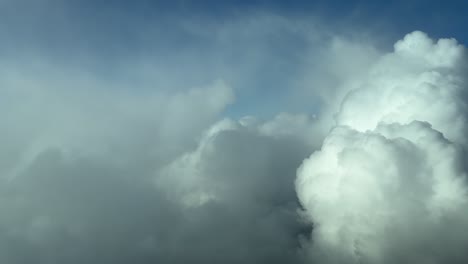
(389, 184)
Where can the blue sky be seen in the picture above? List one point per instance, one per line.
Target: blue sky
(181, 43)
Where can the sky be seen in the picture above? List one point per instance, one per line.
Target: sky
(211, 39)
(233, 132)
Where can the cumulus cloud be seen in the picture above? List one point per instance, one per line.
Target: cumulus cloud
(421, 80)
(389, 184)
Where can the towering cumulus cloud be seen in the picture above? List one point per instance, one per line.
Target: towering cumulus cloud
(389, 184)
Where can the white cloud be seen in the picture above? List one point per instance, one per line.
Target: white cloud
(413, 83)
(389, 184)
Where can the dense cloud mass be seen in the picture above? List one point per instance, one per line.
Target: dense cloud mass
(261, 139)
(91, 176)
(389, 184)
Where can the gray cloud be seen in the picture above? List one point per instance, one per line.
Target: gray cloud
(100, 175)
(76, 209)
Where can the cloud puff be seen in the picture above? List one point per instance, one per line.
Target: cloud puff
(389, 183)
(420, 80)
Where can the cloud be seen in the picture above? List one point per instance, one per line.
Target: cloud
(129, 137)
(389, 184)
(231, 200)
(96, 173)
(421, 80)
(43, 109)
(243, 180)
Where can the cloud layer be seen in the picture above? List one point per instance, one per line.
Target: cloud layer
(185, 140)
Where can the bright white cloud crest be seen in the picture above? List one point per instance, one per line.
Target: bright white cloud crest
(420, 80)
(389, 184)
